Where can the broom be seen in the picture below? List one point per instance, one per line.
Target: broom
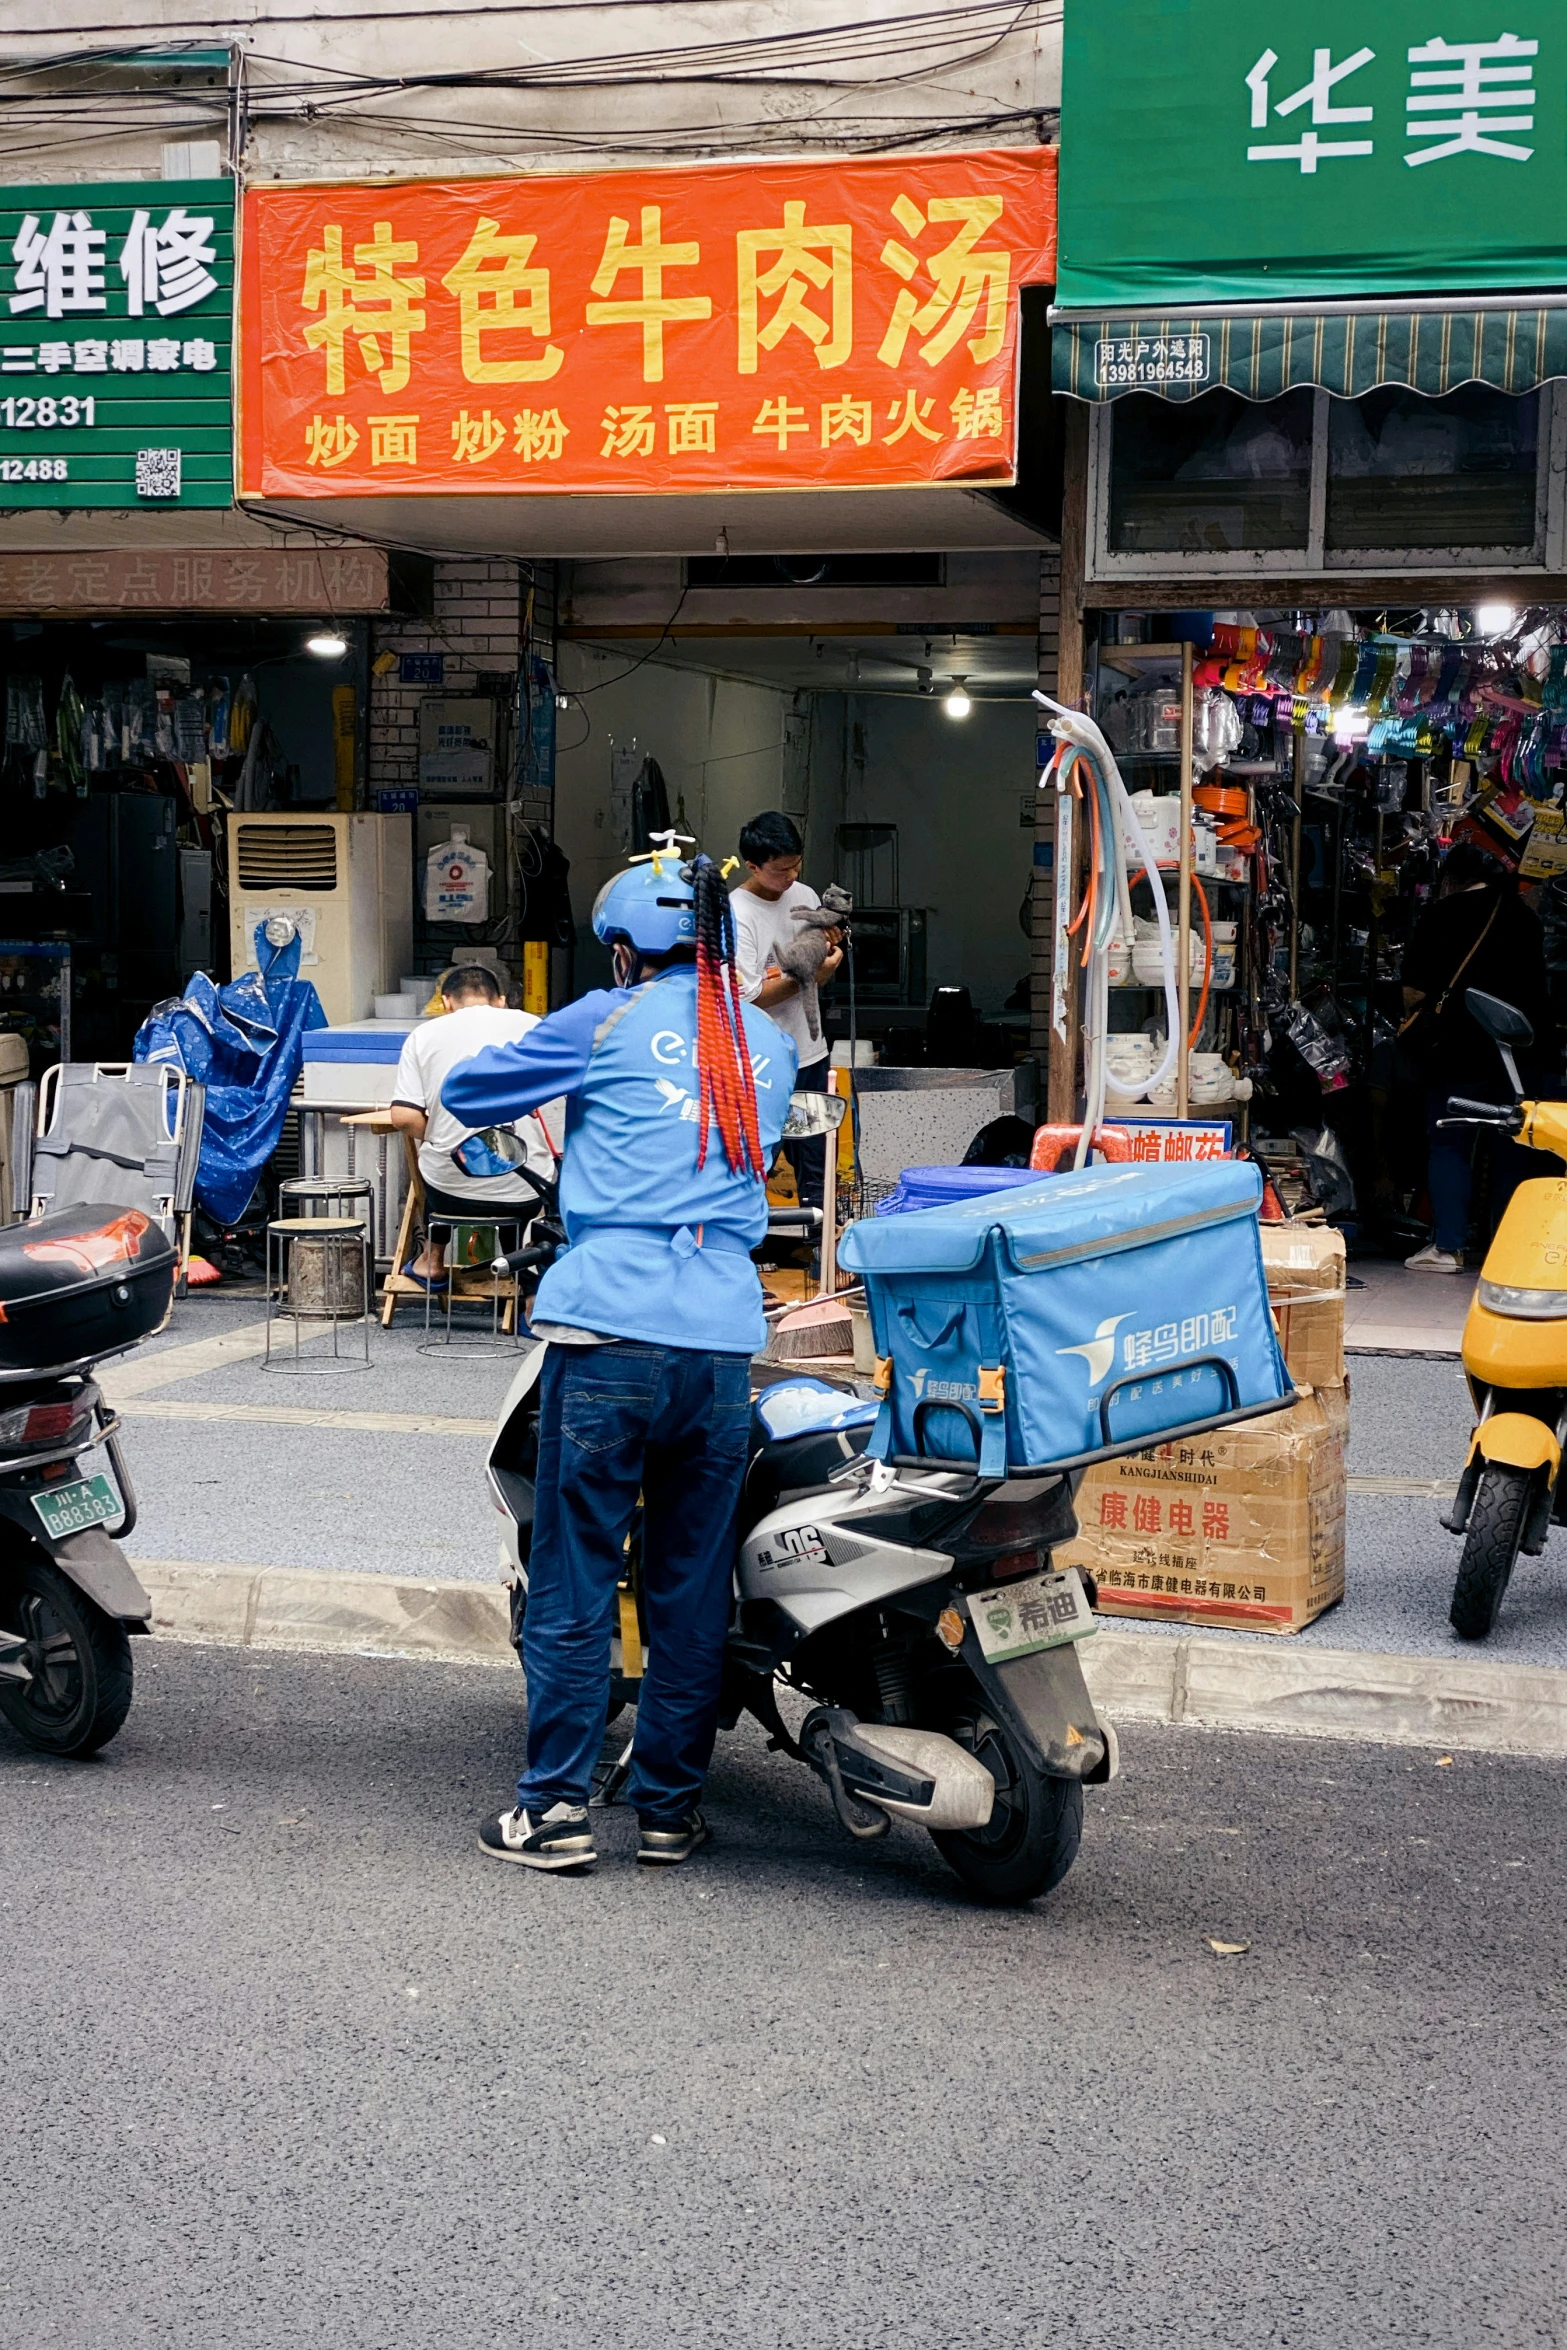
(824, 1327)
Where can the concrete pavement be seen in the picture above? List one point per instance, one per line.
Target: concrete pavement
(286, 2061)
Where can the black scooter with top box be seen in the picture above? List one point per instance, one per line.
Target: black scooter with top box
(75, 1287)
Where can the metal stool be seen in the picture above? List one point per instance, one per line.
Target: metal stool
(472, 1244)
(320, 1268)
(327, 1195)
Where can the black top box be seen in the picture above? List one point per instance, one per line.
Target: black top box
(78, 1285)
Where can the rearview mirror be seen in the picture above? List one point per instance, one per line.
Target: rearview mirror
(813, 1113)
(1503, 1021)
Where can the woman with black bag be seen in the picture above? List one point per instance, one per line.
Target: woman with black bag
(1476, 933)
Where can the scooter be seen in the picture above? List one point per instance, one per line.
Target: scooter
(78, 1286)
(916, 1612)
(1514, 1352)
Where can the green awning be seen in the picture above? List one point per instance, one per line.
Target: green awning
(1262, 353)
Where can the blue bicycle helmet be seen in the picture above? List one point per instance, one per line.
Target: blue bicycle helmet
(650, 906)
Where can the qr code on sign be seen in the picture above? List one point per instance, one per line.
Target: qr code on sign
(157, 473)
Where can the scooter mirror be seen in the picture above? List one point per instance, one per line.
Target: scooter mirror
(1503, 1021)
(813, 1113)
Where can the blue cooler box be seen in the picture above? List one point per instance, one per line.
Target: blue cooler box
(1070, 1319)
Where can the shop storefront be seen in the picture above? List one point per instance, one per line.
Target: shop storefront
(157, 649)
(765, 424)
(1317, 361)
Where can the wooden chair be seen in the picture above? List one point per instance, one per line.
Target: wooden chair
(399, 1287)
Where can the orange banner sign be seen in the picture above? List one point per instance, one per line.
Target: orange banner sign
(754, 327)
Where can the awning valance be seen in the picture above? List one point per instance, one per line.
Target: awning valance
(1263, 353)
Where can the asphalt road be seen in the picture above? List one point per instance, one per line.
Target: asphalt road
(285, 2062)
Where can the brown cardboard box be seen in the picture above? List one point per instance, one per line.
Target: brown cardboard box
(1243, 1527)
(1305, 1267)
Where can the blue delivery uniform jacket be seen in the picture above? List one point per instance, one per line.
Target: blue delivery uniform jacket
(659, 1247)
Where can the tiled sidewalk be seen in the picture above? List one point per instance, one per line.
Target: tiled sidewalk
(1398, 1312)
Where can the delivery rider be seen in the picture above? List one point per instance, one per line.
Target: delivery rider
(676, 1093)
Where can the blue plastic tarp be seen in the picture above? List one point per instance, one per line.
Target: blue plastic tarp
(243, 1042)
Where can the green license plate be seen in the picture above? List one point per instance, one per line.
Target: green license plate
(69, 1509)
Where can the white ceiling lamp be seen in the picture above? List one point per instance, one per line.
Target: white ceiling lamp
(328, 644)
(956, 701)
(1494, 619)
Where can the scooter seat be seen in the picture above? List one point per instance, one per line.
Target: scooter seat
(801, 1431)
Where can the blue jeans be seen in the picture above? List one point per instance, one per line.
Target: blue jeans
(671, 1424)
(1450, 1173)
(1449, 1177)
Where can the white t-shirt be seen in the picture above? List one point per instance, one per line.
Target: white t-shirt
(762, 926)
(432, 1052)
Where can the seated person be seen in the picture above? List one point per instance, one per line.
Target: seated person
(475, 1015)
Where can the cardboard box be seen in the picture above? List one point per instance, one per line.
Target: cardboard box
(1306, 1274)
(1242, 1528)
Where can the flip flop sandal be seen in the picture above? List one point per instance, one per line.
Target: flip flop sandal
(432, 1282)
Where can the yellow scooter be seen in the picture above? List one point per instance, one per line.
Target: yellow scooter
(1515, 1352)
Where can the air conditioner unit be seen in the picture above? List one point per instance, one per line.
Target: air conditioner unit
(346, 881)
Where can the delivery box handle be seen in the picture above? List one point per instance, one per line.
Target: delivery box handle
(908, 1315)
(990, 1439)
(1219, 1363)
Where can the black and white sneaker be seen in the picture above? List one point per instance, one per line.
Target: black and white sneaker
(661, 1847)
(557, 1839)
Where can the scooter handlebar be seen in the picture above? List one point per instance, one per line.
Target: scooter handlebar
(1469, 1113)
(520, 1259)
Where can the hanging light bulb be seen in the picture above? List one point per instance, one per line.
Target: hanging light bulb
(956, 702)
(328, 644)
(1494, 619)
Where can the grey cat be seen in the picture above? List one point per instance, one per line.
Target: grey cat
(806, 952)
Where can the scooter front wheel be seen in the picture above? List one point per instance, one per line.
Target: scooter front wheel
(1496, 1529)
(78, 1659)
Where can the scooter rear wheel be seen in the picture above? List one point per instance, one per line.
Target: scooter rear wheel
(79, 1658)
(1032, 1835)
(1496, 1529)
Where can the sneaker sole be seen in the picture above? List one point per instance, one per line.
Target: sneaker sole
(672, 1860)
(554, 1861)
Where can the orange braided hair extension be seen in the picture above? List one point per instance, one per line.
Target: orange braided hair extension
(728, 1087)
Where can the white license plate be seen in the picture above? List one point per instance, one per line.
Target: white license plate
(1041, 1611)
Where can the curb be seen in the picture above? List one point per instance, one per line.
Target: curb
(1198, 1683)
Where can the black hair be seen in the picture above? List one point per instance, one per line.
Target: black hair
(473, 979)
(1467, 864)
(772, 834)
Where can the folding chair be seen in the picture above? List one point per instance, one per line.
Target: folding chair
(123, 1133)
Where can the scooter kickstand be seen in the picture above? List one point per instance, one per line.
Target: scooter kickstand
(608, 1791)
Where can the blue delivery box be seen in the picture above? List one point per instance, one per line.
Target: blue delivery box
(1064, 1321)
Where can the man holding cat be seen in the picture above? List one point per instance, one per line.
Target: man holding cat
(764, 903)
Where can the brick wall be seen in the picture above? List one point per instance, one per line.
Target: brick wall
(477, 624)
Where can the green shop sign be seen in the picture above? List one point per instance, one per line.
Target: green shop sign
(116, 344)
(1226, 151)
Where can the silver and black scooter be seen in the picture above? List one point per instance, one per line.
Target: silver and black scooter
(914, 1611)
(75, 1287)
